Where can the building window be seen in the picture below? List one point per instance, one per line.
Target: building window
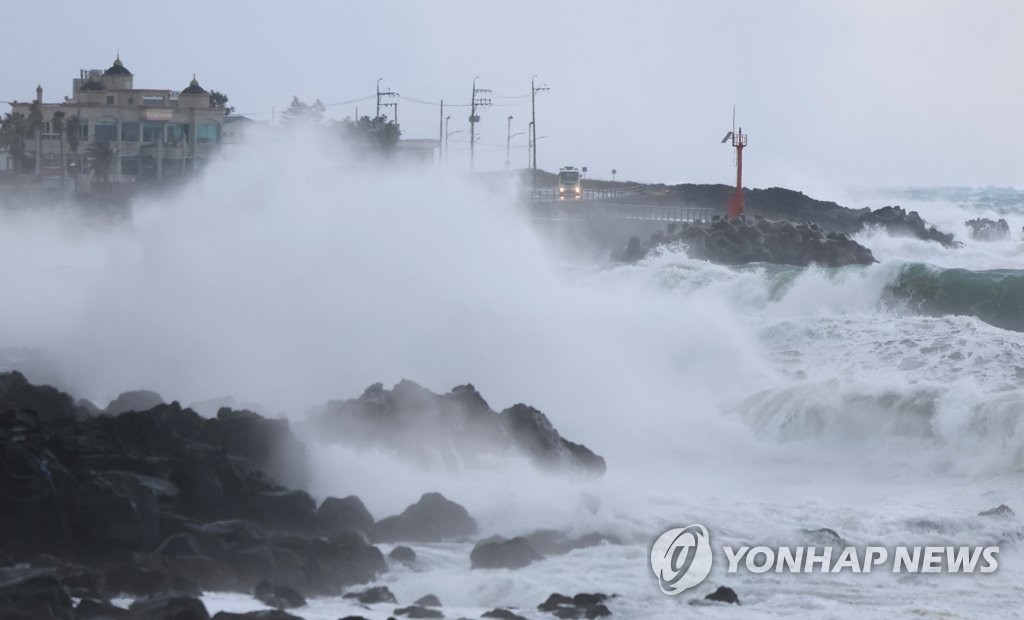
(129, 132)
(106, 131)
(85, 129)
(152, 100)
(130, 166)
(206, 132)
(110, 100)
(152, 132)
(175, 133)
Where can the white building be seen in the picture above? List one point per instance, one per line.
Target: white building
(154, 133)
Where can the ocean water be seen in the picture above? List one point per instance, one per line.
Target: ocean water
(883, 402)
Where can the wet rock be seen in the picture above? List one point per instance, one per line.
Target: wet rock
(136, 400)
(280, 597)
(1002, 510)
(826, 537)
(416, 611)
(502, 553)
(133, 580)
(452, 431)
(264, 614)
(335, 515)
(34, 594)
(287, 510)
(553, 542)
(165, 607)
(432, 519)
(895, 220)
(403, 554)
(724, 594)
(378, 594)
(502, 614)
(984, 229)
(49, 404)
(90, 609)
(582, 605)
(428, 600)
(740, 241)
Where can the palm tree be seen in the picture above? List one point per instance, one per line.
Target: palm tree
(57, 127)
(101, 156)
(73, 129)
(13, 133)
(34, 125)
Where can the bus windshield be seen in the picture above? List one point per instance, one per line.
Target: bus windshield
(567, 177)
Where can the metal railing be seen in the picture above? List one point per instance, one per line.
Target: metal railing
(582, 210)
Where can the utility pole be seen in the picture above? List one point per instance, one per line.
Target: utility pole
(446, 134)
(440, 134)
(386, 93)
(474, 119)
(508, 143)
(533, 118)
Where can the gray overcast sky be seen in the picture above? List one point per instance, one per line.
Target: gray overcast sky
(832, 94)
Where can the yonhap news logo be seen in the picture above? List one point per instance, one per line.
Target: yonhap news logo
(681, 559)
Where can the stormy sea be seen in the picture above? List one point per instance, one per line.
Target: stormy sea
(776, 405)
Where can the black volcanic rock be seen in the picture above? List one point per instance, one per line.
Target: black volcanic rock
(896, 220)
(335, 515)
(33, 594)
(740, 241)
(1002, 510)
(583, 605)
(984, 229)
(278, 596)
(553, 542)
(724, 594)
(136, 400)
(432, 519)
(160, 501)
(451, 431)
(402, 554)
(371, 596)
(502, 553)
(168, 608)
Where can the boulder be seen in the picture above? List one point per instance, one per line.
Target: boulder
(432, 519)
(263, 614)
(91, 609)
(428, 600)
(378, 594)
(335, 515)
(1002, 510)
(416, 611)
(724, 594)
(135, 400)
(553, 542)
(450, 431)
(502, 553)
(502, 614)
(582, 605)
(278, 596)
(402, 554)
(166, 607)
(34, 594)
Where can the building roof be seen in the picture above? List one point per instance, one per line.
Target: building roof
(91, 85)
(194, 88)
(117, 68)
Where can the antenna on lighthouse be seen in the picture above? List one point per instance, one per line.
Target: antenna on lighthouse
(739, 141)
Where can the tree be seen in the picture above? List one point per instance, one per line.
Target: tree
(219, 100)
(371, 137)
(300, 112)
(34, 126)
(101, 157)
(13, 137)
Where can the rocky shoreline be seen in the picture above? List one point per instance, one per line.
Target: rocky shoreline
(757, 239)
(162, 505)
